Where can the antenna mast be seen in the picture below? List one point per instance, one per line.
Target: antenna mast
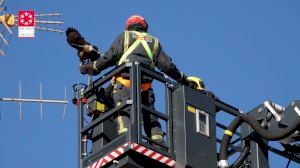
(40, 100)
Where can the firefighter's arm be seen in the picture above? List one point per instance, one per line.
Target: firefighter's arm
(109, 59)
(112, 56)
(165, 64)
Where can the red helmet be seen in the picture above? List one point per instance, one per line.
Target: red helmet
(136, 19)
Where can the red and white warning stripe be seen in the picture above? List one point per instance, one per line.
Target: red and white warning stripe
(136, 147)
(152, 154)
(111, 156)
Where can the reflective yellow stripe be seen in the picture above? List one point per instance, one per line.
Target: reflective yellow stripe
(126, 41)
(130, 49)
(122, 129)
(227, 132)
(140, 39)
(119, 103)
(147, 48)
(157, 137)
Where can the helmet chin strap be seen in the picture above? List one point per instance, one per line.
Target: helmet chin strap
(137, 27)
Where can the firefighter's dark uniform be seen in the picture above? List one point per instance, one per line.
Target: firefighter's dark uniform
(141, 47)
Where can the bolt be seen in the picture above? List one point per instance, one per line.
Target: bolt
(263, 124)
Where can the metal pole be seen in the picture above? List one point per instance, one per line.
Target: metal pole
(79, 129)
(48, 14)
(258, 147)
(5, 25)
(20, 97)
(169, 109)
(41, 103)
(138, 105)
(48, 29)
(133, 96)
(84, 137)
(2, 53)
(4, 40)
(65, 106)
(33, 100)
(48, 22)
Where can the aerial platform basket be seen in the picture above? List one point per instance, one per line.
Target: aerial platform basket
(190, 126)
(132, 149)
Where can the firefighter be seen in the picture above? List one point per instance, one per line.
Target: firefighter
(135, 44)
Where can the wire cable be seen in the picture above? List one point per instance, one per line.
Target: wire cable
(244, 154)
(0, 113)
(288, 163)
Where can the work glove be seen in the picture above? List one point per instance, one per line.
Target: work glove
(192, 84)
(88, 52)
(84, 52)
(86, 69)
(183, 80)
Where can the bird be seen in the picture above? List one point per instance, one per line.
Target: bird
(84, 48)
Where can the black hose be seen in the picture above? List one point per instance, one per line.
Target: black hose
(255, 125)
(226, 141)
(227, 138)
(238, 163)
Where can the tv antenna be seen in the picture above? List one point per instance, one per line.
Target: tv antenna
(43, 22)
(20, 100)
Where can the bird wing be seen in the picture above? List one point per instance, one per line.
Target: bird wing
(74, 38)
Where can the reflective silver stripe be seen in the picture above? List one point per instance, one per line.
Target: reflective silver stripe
(94, 66)
(223, 164)
(297, 110)
(126, 41)
(155, 47)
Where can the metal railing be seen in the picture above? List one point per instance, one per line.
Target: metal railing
(137, 109)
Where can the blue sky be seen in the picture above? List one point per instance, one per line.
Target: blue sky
(246, 52)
